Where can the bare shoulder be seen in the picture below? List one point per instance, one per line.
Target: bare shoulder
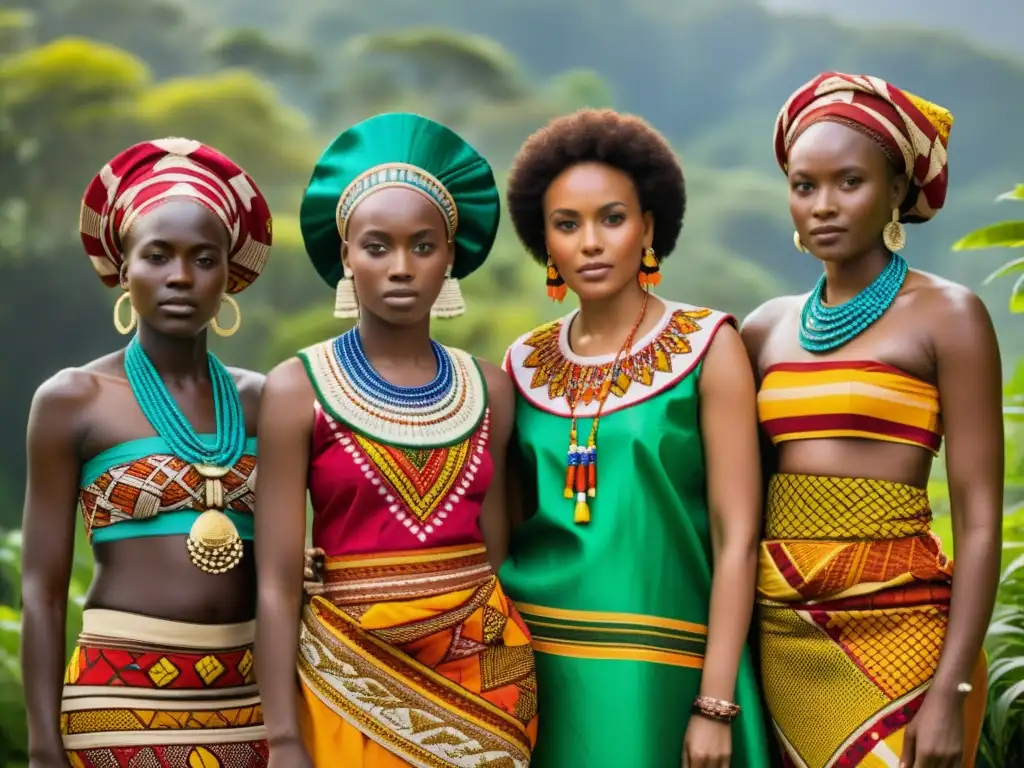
(726, 358)
(727, 340)
(757, 327)
(932, 293)
(763, 318)
(499, 385)
(501, 399)
(76, 387)
(68, 389)
(288, 378)
(249, 383)
(61, 404)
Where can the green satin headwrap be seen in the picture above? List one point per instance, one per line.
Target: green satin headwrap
(400, 149)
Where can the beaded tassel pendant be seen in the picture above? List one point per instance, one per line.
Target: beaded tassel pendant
(581, 475)
(581, 461)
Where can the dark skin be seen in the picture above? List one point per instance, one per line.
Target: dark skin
(594, 217)
(179, 252)
(398, 253)
(935, 330)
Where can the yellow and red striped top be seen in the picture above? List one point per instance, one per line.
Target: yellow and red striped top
(849, 398)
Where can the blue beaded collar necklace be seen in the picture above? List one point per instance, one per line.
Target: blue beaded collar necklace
(443, 412)
(824, 328)
(348, 348)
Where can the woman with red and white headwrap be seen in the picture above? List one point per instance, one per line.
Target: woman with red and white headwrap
(871, 648)
(156, 443)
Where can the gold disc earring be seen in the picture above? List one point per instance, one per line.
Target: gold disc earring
(894, 235)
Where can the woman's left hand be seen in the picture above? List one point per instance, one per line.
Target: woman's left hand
(935, 737)
(708, 743)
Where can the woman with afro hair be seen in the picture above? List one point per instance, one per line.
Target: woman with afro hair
(636, 434)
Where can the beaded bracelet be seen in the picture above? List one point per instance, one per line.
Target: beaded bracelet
(715, 709)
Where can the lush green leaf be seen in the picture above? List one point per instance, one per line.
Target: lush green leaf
(1007, 234)
(1017, 296)
(1016, 265)
(1017, 193)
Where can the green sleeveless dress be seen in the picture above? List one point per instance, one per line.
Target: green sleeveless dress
(618, 607)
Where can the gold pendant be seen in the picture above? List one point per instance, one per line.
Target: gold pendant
(213, 542)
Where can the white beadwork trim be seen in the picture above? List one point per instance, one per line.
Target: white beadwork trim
(451, 421)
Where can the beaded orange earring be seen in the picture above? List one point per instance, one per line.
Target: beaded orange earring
(650, 270)
(556, 285)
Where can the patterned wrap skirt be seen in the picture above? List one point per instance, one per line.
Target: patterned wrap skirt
(141, 692)
(416, 658)
(853, 593)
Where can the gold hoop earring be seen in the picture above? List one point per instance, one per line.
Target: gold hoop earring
(798, 242)
(230, 301)
(894, 236)
(125, 328)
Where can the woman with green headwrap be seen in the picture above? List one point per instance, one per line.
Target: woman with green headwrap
(410, 653)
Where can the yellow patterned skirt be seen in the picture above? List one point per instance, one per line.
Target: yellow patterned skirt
(416, 658)
(140, 691)
(853, 594)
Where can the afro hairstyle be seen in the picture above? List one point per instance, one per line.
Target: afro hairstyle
(626, 142)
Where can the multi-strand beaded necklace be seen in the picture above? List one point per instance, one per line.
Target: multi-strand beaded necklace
(441, 412)
(824, 328)
(213, 542)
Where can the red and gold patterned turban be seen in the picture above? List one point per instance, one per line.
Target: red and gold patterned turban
(153, 172)
(911, 131)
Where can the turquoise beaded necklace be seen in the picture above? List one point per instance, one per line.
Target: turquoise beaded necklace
(170, 423)
(823, 328)
(213, 541)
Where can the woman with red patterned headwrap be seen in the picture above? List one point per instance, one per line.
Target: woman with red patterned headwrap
(156, 444)
(871, 648)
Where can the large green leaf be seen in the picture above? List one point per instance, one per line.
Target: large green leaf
(1016, 265)
(1017, 193)
(1017, 297)
(1007, 234)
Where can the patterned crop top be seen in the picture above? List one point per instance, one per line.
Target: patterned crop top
(379, 481)
(139, 488)
(849, 398)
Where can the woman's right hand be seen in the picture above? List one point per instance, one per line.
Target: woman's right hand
(312, 571)
(291, 754)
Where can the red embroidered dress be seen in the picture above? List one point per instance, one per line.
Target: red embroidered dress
(412, 610)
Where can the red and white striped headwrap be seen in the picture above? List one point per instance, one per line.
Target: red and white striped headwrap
(913, 132)
(153, 172)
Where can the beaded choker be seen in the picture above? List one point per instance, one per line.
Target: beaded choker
(348, 348)
(442, 412)
(213, 543)
(823, 329)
